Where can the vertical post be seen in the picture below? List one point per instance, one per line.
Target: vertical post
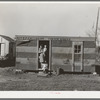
(96, 34)
(96, 26)
(72, 56)
(37, 55)
(82, 59)
(50, 57)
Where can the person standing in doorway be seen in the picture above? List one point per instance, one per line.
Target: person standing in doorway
(45, 64)
(45, 53)
(41, 55)
(40, 49)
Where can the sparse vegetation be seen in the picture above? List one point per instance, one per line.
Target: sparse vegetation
(31, 82)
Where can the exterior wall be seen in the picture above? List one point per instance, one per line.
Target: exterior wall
(7, 56)
(5, 47)
(26, 54)
(89, 56)
(62, 54)
(12, 53)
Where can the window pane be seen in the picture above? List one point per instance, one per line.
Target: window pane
(77, 57)
(75, 48)
(79, 47)
(79, 51)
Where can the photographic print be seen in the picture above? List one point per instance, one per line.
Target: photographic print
(49, 46)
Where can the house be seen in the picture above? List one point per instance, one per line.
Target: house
(72, 54)
(7, 51)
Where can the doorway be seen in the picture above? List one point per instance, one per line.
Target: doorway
(43, 53)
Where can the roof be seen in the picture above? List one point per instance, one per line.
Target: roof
(30, 37)
(7, 38)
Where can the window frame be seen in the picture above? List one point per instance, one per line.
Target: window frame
(77, 49)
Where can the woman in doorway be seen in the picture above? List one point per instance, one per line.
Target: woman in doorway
(45, 64)
(45, 53)
(40, 49)
(41, 56)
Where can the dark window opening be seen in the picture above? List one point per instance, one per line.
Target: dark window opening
(77, 48)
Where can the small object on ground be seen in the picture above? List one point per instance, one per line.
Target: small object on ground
(42, 74)
(17, 71)
(58, 70)
(94, 73)
(54, 72)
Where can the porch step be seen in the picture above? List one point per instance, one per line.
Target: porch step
(42, 74)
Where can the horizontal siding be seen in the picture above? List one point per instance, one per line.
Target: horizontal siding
(67, 67)
(62, 55)
(26, 66)
(54, 49)
(69, 56)
(61, 50)
(26, 55)
(26, 49)
(89, 44)
(61, 43)
(89, 50)
(89, 69)
(89, 62)
(26, 60)
(89, 56)
(26, 43)
(60, 61)
(83, 39)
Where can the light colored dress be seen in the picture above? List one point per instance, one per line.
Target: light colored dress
(41, 57)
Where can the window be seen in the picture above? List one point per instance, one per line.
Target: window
(77, 57)
(77, 52)
(77, 48)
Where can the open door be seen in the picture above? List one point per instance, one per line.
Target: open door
(77, 56)
(43, 53)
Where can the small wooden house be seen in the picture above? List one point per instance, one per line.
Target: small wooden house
(72, 54)
(7, 51)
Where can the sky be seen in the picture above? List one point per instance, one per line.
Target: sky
(48, 18)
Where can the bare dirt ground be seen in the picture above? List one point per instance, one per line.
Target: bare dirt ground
(9, 81)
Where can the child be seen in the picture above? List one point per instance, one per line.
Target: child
(45, 53)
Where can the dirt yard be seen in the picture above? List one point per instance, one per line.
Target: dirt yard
(29, 81)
